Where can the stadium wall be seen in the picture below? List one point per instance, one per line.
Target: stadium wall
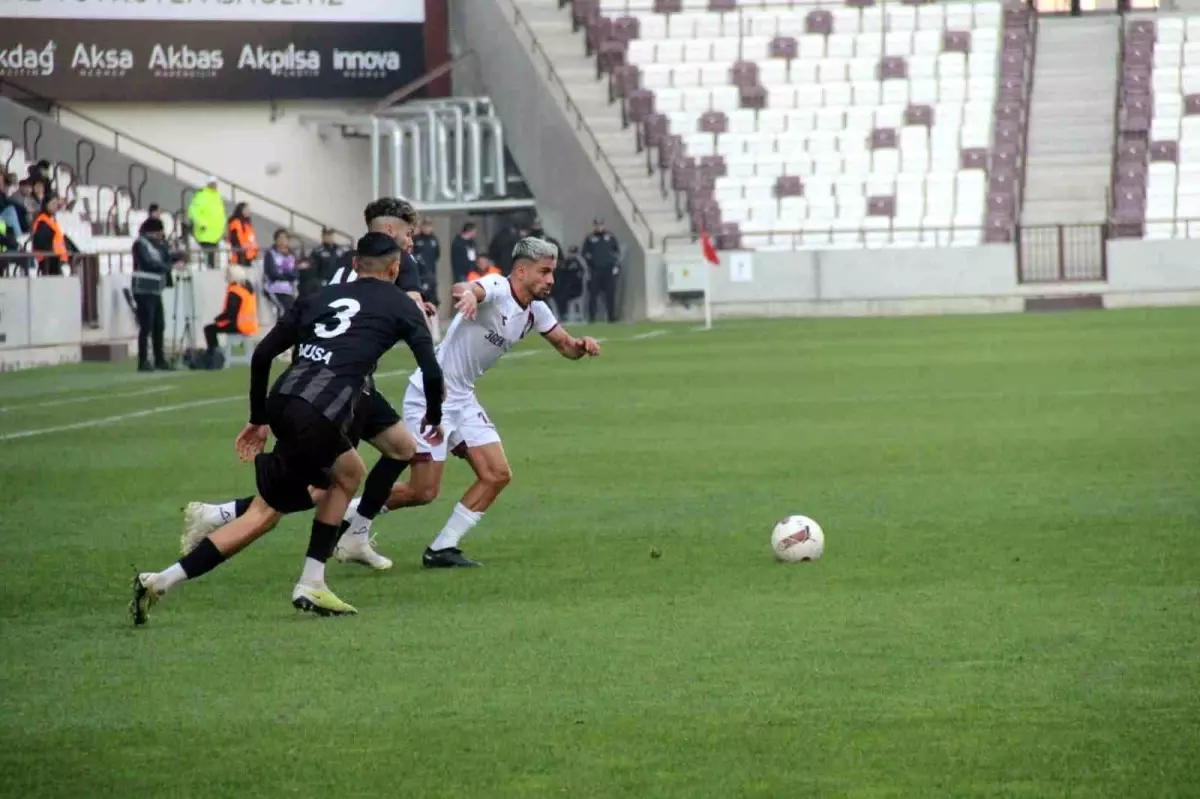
(541, 137)
(40, 320)
(931, 281)
(260, 146)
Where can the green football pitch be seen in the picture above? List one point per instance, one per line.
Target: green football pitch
(1009, 602)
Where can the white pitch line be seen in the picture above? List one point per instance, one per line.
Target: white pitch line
(90, 398)
(107, 420)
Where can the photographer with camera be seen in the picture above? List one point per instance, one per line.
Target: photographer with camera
(152, 263)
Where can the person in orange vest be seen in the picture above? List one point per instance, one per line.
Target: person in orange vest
(483, 268)
(52, 247)
(243, 244)
(240, 314)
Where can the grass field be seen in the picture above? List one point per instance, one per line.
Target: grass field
(1009, 603)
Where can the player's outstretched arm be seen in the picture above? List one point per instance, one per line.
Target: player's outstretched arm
(570, 347)
(467, 297)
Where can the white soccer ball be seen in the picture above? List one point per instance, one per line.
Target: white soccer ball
(798, 538)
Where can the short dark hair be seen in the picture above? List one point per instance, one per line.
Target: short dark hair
(468, 227)
(280, 232)
(152, 208)
(391, 207)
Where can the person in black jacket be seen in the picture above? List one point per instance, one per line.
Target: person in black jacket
(501, 246)
(569, 280)
(428, 250)
(537, 231)
(327, 257)
(463, 253)
(152, 261)
(602, 252)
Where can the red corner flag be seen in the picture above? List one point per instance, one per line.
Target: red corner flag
(710, 252)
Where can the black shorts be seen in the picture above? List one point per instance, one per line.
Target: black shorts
(306, 446)
(372, 416)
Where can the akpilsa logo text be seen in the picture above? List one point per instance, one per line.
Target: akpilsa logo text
(289, 62)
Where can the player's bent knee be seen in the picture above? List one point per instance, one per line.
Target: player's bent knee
(426, 494)
(497, 477)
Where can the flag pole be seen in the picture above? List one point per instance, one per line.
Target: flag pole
(708, 295)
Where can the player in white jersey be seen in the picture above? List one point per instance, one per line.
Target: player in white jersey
(494, 314)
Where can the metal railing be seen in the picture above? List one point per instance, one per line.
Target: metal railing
(580, 121)
(177, 167)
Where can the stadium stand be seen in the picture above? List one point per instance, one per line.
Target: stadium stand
(95, 218)
(1156, 191)
(793, 125)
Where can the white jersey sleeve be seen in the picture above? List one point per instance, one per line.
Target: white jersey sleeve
(543, 317)
(494, 286)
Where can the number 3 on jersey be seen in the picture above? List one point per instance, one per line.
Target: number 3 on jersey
(346, 310)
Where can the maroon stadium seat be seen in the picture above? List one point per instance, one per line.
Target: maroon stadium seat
(753, 97)
(744, 73)
(626, 79)
(784, 47)
(892, 66)
(881, 206)
(819, 21)
(1164, 151)
(713, 165)
(883, 138)
(641, 104)
(956, 41)
(789, 186)
(973, 158)
(713, 122)
(918, 114)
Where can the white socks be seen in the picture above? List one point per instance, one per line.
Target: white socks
(221, 514)
(313, 574)
(165, 580)
(458, 525)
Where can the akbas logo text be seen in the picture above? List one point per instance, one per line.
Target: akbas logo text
(280, 62)
(28, 62)
(184, 62)
(91, 61)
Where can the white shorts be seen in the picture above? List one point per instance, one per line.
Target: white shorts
(464, 422)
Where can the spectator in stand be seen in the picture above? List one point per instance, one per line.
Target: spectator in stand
(240, 314)
(501, 246)
(39, 173)
(8, 208)
(153, 212)
(463, 253)
(243, 243)
(537, 231)
(279, 268)
(206, 214)
(428, 250)
(328, 257)
(602, 252)
(152, 262)
(51, 246)
(483, 268)
(569, 280)
(308, 280)
(26, 204)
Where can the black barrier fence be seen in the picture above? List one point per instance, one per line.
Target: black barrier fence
(143, 60)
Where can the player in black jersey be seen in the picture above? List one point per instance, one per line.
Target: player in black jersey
(375, 421)
(337, 336)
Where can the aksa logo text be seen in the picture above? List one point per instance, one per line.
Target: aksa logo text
(94, 62)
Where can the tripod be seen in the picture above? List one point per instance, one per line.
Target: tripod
(185, 295)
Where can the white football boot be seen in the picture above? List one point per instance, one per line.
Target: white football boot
(357, 545)
(200, 519)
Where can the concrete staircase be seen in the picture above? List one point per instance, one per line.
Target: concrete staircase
(551, 26)
(1069, 167)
